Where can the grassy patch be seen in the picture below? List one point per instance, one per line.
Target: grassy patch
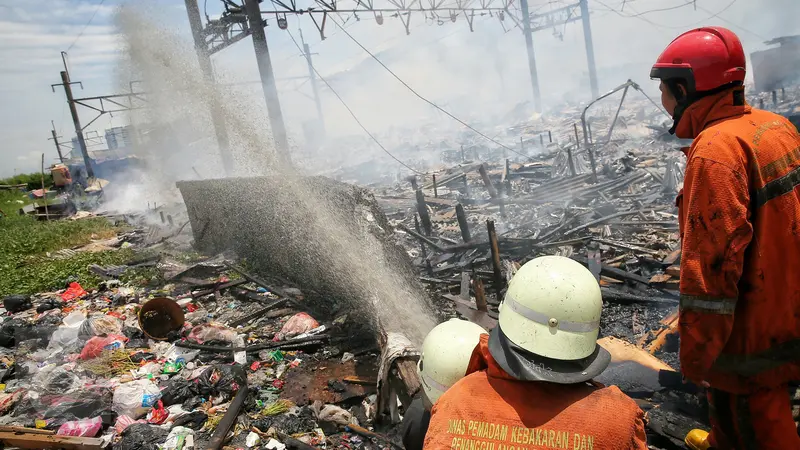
(42, 274)
(32, 180)
(25, 267)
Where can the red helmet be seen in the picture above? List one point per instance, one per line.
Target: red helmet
(705, 58)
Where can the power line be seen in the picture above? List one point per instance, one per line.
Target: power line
(670, 8)
(425, 99)
(671, 27)
(352, 113)
(717, 15)
(87, 25)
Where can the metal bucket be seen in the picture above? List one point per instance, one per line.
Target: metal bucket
(159, 317)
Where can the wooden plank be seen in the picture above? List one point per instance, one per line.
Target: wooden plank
(464, 294)
(613, 272)
(495, 247)
(673, 257)
(624, 351)
(486, 181)
(13, 429)
(36, 441)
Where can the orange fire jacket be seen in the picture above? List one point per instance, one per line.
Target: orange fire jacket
(489, 410)
(739, 214)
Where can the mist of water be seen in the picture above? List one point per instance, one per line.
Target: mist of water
(179, 101)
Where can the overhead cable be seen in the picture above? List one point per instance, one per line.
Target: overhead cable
(447, 113)
(377, 142)
(87, 25)
(640, 16)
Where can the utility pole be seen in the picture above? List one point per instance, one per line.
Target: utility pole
(313, 77)
(526, 30)
(267, 79)
(204, 58)
(587, 37)
(76, 120)
(55, 139)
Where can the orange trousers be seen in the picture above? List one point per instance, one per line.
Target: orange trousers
(759, 421)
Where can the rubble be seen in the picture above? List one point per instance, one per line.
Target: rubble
(255, 346)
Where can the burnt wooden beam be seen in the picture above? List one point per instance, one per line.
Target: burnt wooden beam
(613, 272)
(486, 181)
(497, 268)
(462, 223)
(422, 238)
(424, 216)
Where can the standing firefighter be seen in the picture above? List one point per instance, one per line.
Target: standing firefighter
(740, 228)
(446, 352)
(528, 384)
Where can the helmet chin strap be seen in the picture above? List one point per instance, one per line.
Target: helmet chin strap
(687, 100)
(680, 108)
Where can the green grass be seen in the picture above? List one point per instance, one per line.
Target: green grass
(25, 267)
(32, 180)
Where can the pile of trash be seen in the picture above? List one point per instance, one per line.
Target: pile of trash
(210, 359)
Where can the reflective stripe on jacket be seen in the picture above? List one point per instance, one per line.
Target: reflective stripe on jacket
(740, 229)
(489, 410)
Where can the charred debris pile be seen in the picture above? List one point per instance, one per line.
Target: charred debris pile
(274, 352)
(471, 225)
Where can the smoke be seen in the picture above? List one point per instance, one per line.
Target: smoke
(179, 99)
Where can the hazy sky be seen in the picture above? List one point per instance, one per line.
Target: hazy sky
(442, 62)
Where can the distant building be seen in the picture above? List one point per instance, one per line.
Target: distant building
(777, 67)
(119, 138)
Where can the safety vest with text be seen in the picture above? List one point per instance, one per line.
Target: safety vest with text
(489, 410)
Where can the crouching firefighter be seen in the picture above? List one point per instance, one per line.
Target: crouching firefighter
(446, 352)
(739, 217)
(529, 382)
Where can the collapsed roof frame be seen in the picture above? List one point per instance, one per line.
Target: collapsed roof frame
(589, 146)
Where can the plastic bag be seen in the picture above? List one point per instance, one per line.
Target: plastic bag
(180, 438)
(97, 344)
(73, 291)
(140, 436)
(17, 303)
(194, 420)
(82, 428)
(56, 380)
(47, 305)
(333, 413)
(135, 398)
(101, 325)
(252, 440)
(177, 391)
(298, 324)
(86, 406)
(212, 332)
(75, 319)
(158, 414)
(124, 422)
(64, 337)
(221, 380)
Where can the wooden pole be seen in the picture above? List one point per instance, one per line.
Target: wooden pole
(480, 296)
(462, 223)
(435, 189)
(495, 247)
(422, 209)
(486, 181)
(422, 246)
(44, 193)
(464, 294)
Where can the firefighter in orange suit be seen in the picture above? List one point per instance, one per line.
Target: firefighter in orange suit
(528, 383)
(739, 214)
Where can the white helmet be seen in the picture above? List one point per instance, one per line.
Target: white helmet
(549, 322)
(446, 352)
(552, 308)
